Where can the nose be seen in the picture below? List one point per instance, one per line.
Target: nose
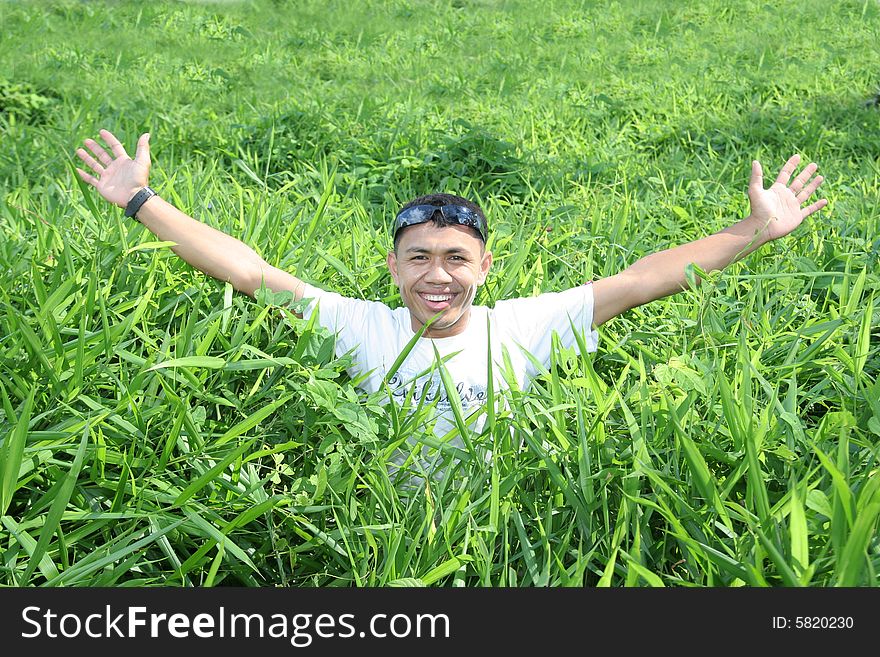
(437, 274)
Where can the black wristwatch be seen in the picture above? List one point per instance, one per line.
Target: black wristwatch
(138, 200)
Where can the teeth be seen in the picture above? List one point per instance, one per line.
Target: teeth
(438, 297)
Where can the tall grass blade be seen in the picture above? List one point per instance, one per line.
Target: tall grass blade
(59, 504)
(13, 451)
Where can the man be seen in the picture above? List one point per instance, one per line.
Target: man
(438, 261)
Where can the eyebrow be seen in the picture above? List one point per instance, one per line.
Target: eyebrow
(450, 251)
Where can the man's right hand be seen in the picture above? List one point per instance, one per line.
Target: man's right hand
(117, 178)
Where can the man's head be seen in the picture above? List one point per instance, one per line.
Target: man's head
(439, 260)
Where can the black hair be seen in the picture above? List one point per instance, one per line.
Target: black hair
(438, 219)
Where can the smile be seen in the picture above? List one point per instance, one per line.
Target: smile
(437, 297)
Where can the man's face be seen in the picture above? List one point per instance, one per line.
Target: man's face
(438, 270)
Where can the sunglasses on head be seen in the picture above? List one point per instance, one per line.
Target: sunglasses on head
(457, 214)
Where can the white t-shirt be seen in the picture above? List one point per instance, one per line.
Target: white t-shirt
(376, 335)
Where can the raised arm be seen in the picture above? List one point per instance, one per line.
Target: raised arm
(775, 212)
(117, 178)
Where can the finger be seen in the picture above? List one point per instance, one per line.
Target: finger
(798, 183)
(788, 169)
(86, 177)
(91, 163)
(113, 143)
(99, 152)
(756, 182)
(807, 191)
(815, 207)
(142, 156)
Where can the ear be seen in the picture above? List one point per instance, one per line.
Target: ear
(485, 265)
(391, 261)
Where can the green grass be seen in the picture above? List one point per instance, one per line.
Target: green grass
(157, 429)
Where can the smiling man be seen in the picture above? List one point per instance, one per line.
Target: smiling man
(438, 262)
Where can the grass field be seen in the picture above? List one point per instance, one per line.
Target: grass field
(158, 429)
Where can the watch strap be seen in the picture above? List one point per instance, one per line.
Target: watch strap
(138, 200)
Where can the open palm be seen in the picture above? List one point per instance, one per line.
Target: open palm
(780, 208)
(118, 177)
